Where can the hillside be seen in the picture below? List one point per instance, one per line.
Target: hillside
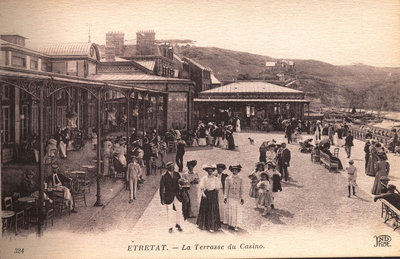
(326, 84)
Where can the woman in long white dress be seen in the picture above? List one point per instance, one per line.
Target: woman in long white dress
(233, 198)
(238, 125)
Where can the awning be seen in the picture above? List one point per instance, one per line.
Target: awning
(252, 100)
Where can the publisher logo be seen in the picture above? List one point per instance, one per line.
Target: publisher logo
(382, 241)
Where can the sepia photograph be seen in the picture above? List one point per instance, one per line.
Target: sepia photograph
(199, 129)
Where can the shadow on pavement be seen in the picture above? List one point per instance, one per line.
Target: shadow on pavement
(291, 184)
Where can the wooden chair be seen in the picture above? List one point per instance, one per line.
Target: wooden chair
(315, 156)
(336, 152)
(48, 215)
(78, 194)
(83, 181)
(8, 205)
(171, 146)
(19, 220)
(60, 203)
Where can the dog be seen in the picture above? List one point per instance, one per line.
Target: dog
(251, 141)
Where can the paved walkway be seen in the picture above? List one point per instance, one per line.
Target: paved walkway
(313, 215)
(312, 208)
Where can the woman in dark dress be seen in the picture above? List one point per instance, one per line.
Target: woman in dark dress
(209, 217)
(229, 137)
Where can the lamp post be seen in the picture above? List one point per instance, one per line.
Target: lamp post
(98, 178)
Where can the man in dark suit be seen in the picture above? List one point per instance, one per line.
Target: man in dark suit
(283, 161)
(171, 197)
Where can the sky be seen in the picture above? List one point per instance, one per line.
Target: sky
(335, 31)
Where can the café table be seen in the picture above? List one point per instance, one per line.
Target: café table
(26, 199)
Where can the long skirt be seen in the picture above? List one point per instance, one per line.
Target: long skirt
(209, 217)
(231, 143)
(376, 188)
(253, 190)
(222, 206)
(202, 142)
(63, 149)
(106, 164)
(233, 212)
(224, 144)
(194, 198)
(186, 204)
(371, 166)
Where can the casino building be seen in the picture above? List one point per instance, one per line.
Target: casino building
(68, 84)
(254, 103)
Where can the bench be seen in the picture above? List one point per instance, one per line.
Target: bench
(390, 212)
(328, 162)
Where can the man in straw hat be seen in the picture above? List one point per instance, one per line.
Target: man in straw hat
(171, 197)
(132, 174)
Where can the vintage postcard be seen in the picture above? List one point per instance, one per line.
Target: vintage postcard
(199, 129)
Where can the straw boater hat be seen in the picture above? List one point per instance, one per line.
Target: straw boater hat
(205, 167)
(191, 163)
(54, 166)
(223, 166)
(237, 167)
(351, 161)
(170, 163)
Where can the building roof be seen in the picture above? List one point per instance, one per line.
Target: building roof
(134, 77)
(149, 64)
(214, 80)
(252, 100)
(269, 64)
(251, 87)
(197, 64)
(70, 49)
(117, 59)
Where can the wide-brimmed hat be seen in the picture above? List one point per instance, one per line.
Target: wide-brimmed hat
(384, 178)
(169, 164)
(205, 167)
(237, 167)
(260, 163)
(223, 166)
(378, 145)
(271, 163)
(54, 166)
(191, 163)
(351, 161)
(263, 173)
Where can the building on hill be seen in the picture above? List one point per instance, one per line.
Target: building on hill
(198, 73)
(254, 103)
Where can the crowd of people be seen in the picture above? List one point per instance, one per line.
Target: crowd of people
(213, 134)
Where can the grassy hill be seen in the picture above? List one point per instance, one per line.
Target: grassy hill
(325, 84)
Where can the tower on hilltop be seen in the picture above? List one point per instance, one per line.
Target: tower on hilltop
(145, 42)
